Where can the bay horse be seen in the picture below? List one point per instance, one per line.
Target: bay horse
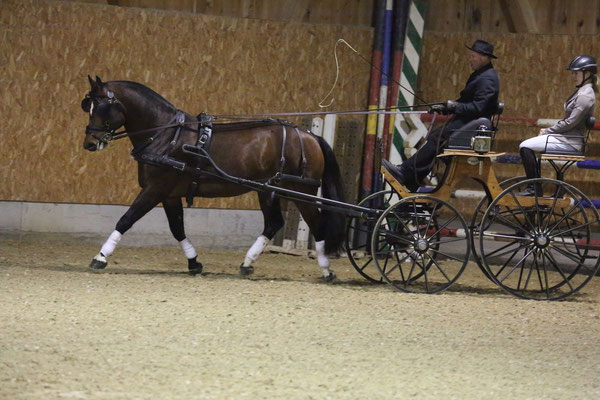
(255, 150)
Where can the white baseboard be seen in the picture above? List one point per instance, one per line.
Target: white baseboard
(204, 227)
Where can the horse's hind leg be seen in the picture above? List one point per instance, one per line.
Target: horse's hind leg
(174, 210)
(273, 222)
(312, 216)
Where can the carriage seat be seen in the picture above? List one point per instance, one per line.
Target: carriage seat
(570, 156)
(576, 152)
(462, 139)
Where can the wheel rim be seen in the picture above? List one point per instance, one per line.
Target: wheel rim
(542, 251)
(358, 237)
(411, 247)
(477, 217)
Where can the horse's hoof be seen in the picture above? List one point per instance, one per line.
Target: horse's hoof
(246, 271)
(194, 267)
(329, 278)
(97, 264)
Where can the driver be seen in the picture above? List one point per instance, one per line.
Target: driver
(478, 99)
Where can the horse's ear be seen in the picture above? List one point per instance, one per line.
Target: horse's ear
(92, 83)
(98, 80)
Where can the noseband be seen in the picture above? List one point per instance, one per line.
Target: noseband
(105, 133)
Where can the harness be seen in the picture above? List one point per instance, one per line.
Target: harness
(279, 176)
(205, 129)
(202, 146)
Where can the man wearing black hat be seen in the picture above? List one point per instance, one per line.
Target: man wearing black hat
(478, 99)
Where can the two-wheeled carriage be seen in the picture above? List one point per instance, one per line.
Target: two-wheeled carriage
(534, 247)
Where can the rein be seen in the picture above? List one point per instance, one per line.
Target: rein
(389, 110)
(106, 134)
(111, 134)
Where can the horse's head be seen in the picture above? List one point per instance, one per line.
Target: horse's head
(107, 115)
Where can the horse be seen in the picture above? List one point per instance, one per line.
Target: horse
(253, 150)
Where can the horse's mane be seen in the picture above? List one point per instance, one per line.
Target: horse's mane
(143, 90)
(146, 92)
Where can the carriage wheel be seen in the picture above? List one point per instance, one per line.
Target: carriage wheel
(480, 210)
(541, 250)
(414, 245)
(358, 236)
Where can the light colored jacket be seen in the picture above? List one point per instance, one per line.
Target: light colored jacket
(578, 108)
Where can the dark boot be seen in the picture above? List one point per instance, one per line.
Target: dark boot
(530, 163)
(394, 171)
(532, 170)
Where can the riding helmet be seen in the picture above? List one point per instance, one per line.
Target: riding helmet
(583, 63)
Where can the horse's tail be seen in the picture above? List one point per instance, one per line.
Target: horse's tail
(333, 224)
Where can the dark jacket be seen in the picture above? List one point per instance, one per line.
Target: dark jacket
(479, 98)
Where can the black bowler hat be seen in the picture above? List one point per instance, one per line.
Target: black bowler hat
(483, 47)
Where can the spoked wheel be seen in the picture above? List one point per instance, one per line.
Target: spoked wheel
(415, 242)
(540, 247)
(358, 236)
(480, 210)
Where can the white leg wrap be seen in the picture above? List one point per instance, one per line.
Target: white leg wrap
(100, 257)
(188, 248)
(255, 250)
(109, 246)
(322, 258)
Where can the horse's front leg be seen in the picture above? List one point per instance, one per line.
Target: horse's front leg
(146, 200)
(174, 210)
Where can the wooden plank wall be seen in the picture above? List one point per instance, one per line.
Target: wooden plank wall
(500, 16)
(563, 17)
(344, 12)
(198, 62)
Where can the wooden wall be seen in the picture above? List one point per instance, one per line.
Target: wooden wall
(494, 16)
(200, 63)
(580, 17)
(344, 12)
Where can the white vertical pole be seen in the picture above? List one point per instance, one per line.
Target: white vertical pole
(329, 129)
(329, 133)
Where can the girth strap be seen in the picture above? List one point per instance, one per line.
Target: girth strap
(280, 176)
(302, 150)
(282, 160)
(205, 130)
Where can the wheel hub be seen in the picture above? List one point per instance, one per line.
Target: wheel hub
(421, 245)
(542, 241)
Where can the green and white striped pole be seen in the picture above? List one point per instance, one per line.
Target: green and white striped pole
(408, 129)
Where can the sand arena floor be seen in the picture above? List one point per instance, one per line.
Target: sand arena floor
(144, 329)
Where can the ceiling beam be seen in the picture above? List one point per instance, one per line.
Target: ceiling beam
(519, 15)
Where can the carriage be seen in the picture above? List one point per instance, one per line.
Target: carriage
(534, 247)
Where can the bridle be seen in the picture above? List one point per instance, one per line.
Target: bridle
(105, 133)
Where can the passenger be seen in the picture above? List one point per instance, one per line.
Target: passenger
(478, 99)
(568, 134)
